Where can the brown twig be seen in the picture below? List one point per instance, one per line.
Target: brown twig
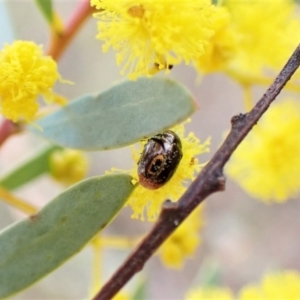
(209, 181)
(60, 40)
(7, 129)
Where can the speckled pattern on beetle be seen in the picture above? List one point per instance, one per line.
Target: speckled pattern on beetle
(159, 159)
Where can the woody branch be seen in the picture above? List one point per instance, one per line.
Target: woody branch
(209, 181)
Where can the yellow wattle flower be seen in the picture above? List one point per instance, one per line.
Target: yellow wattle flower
(222, 45)
(274, 286)
(283, 285)
(267, 163)
(148, 202)
(25, 74)
(68, 166)
(266, 32)
(151, 35)
(122, 296)
(183, 242)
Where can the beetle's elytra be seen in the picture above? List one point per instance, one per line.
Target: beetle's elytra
(159, 160)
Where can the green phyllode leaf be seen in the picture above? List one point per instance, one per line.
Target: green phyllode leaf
(120, 116)
(29, 169)
(46, 7)
(32, 248)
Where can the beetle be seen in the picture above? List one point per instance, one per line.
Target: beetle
(159, 160)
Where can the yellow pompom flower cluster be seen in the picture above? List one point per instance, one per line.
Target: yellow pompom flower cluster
(267, 163)
(152, 35)
(147, 201)
(274, 286)
(222, 46)
(68, 166)
(245, 36)
(236, 37)
(183, 242)
(122, 296)
(25, 74)
(267, 32)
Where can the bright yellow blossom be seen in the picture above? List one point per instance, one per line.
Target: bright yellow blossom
(267, 163)
(25, 74)
(152, 33)
(277, 286)
(147, 201)
(222, 45)
(183, 242)
(68, 166)
(210, 293)
(122, 296)
(267, 32)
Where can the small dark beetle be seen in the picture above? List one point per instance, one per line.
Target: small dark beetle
(159, 160)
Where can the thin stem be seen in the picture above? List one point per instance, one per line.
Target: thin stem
(12, 200)
(99, 243)
(251, 80)
(119, 242)
(60, 41)
(97, 247)
(7, 129)
(209, 181)
(291, 86)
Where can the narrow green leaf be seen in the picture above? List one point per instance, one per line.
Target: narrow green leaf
(46, 8)
(32, 248)
(29, 169)
(122, 115)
